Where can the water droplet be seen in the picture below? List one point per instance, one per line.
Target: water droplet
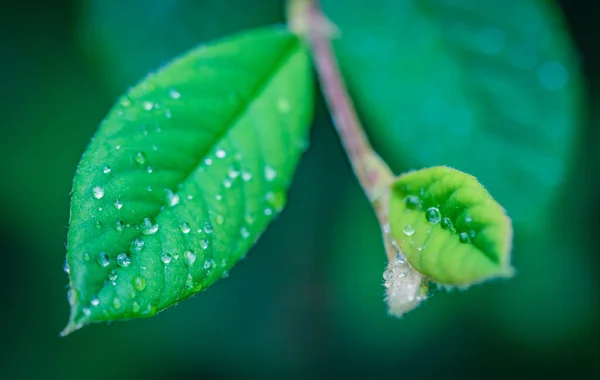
(433, 215)
(206, 264)
(154, 148)
(283, 105)
(139, 158)
(123, 260)
(137, 245)
(208, 162)
(464, 237)
(468, 219)
(103, 259)
(190, 281)
(219, 219)
(472, 234)
(408, 230)
(244, 232)
(220, 153)
(168, 115)
(106, 169)
(139, 283)
(87, 312)
(218, 197)
(149, 188)
(119, 226)
(118, 204)
(66, 267)
(400, 259)
(117, 147)
(95, 301)
(227, 183)
(246, 176)
(189, 257)
(447, 224)
(98, 192)
(268, 211)
(98, 224)
(249, 218)
(149, 169)
(148, 228)
(135, 307)
(203, 244)
(86, 257)
(208, 228)
(190, 197)
(165, 258)
(116, 303)
(113, 275)
(148, 106)
(270, 173)
(412, 202)
(174, 94)
(172, 198)
(185, 228)
(233, 174)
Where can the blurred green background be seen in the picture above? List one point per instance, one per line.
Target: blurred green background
(308, 301)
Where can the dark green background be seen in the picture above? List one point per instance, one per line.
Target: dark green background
(308, 300)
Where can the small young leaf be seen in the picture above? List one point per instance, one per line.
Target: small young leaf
(449, 227)
(185, 173)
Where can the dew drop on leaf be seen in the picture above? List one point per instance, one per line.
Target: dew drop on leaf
(220, 153)
(112, 276)
(136, 245)
(106, 169)
(189, 257)
(270, 173)
(103, 259)
(244, 232)
(139, 158)
(464, 237)
(165, 258)
(139, 283)
(172, 198)
(98, 192)
(149, 228)
(433, 215)
(185, 228)
(123, 260)
(408, 230)
(118, 204)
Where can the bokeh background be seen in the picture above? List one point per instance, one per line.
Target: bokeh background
(308, 300)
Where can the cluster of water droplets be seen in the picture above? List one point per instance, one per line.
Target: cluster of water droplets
(403, 286)
(434, 216)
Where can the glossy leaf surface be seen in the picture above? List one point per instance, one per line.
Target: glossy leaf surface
(449, 227)
(185, 173)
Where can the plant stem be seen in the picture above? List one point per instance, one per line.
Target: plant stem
(374, 175)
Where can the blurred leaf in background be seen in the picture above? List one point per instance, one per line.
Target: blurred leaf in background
(308, 301)
(494, 91)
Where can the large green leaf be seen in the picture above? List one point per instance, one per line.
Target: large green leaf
(185, 173)
(126, 39)
(492, 90)
(449, 227)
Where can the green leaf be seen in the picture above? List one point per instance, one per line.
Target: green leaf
(185, 173)
(126, 39)
(494, 91)
(449, 227)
